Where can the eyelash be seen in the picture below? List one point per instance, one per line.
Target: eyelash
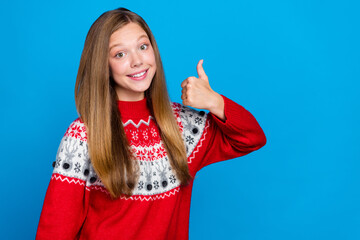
(147, 46)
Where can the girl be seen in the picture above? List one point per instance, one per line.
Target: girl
(125, 167)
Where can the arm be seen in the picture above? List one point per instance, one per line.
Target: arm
(230, 131)
(209, 139)
(66, 201)
(237, 136)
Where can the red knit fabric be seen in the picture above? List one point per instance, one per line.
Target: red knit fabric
(77, 205)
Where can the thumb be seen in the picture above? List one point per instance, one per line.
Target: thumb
(200, 70)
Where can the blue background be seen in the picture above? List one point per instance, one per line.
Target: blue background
(294, 64)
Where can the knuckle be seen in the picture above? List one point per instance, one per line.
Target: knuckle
(191, 79)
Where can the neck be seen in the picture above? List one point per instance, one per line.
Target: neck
(126, 96)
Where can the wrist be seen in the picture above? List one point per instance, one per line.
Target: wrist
(217, 106)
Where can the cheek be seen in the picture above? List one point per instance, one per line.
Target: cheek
(154, 61)
(117, 68)
(150, 57)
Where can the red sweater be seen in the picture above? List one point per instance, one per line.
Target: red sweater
(77, 205)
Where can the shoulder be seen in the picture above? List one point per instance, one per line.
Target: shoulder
(77, 130)
(72, 158)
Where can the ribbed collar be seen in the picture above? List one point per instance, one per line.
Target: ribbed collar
(136, 109)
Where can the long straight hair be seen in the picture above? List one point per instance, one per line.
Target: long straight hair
(96, 103)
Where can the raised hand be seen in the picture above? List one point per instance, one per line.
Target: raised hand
(197, 93)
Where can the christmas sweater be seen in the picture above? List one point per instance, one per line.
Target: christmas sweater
(78, 206)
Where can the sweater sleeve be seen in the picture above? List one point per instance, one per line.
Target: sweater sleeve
(220, 140)
(66, 200)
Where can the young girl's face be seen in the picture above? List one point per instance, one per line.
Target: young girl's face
(132, 62)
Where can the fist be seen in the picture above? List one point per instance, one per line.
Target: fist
(197, 93)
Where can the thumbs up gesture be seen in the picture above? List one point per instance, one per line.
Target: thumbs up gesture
(197, 93)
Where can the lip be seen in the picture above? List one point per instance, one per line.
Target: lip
(139, 78)
(138, 72)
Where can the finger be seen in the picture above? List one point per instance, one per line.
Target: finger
(183, 91)
(183, 84)
(191, 80)
(200, 70)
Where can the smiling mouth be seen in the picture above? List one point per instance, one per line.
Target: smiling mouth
(138, 74)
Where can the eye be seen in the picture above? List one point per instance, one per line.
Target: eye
(120, 55)
(144, 46)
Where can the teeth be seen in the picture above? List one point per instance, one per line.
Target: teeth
(139, 74)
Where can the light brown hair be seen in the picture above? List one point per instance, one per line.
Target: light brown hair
(96, 102)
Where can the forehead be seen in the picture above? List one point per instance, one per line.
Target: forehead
(127, 35)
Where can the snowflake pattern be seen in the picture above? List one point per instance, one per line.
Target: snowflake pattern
(141, 185)
(189, 140)
(145, 135)
(156, 184)
(142, 155)
(172, 178)
(77, 167)
(198, 120)
(149, 153)
(153, 132)
(135, 135)
(77, 130)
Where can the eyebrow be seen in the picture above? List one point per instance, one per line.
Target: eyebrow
(119, 44)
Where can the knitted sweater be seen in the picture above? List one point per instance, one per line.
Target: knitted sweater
(78, 206)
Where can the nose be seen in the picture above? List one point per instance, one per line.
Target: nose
(136, 60)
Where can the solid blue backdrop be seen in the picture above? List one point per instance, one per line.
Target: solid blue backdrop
(294, 64)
